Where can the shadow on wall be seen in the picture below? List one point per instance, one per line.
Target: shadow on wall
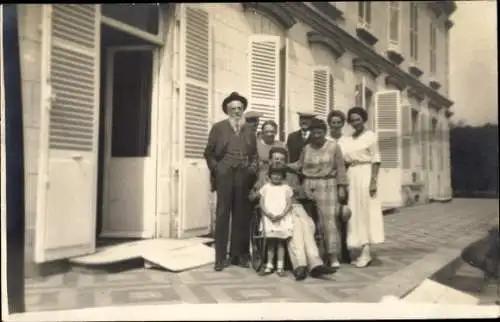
(474, 161)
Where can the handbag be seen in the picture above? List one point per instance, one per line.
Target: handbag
(484, 254)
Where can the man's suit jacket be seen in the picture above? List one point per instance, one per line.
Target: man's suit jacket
(295, 144)
(216, 148)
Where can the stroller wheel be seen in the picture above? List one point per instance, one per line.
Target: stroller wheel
(257, 244)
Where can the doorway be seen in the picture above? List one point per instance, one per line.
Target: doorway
(126, 182)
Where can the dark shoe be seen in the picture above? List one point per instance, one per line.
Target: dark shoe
(321, 270)
(219, 265)
(300, 273)
(243, 261)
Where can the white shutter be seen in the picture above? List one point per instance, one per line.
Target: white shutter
(424, 141)
(264, 56)
(321, 91)
(432, 140)
(388, 128)
(406, 136)
(447, 165)
(67, 185)
(195, 93)
(196, 81)
(331, 92)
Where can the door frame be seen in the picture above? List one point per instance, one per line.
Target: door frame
(150, 214)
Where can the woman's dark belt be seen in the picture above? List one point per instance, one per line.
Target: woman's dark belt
(355, 163)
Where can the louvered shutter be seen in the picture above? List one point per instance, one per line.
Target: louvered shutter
(406, 136)
(321, 91)
(264, 75)
(388, 128)
(432, 142)
(446, 153)
(331, 93)
(196, 82)
(424, 141)
(196, 56)
(67, 189)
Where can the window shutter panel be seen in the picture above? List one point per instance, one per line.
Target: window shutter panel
(432, 141)
(264, 62)
(197, 56)
(331, 94)
(72, 117)
(441, 145)
(424, 141)
(321, 91)
(406, 136)
(69, 124)
(388, 128)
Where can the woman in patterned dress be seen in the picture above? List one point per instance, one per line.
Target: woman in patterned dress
(322, 166)
(361, 154)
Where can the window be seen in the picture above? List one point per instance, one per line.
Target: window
(394, 7)
(144, 16)
(432, 47)
(364, 98)
(414, 31)
(365, 12)
(131, 120)
(415, 134)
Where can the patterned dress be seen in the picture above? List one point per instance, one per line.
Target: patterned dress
(366, 225)
(324, 170)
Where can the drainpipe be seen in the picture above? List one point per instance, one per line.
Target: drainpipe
(14, 160)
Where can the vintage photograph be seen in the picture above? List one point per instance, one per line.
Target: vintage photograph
(308, 160)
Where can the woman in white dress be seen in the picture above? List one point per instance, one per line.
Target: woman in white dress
(361, 154)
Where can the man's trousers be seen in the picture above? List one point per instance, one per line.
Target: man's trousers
(232, 205)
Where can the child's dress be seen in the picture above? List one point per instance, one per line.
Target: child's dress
(275, 198)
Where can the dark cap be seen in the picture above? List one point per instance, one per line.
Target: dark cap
(252, 115)
(306, 115)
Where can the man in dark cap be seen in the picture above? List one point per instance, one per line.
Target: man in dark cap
(298, 139)
(231, 155)
(295, 143)
(253, 118)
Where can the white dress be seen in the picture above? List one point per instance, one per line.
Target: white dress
(367, 223)
(275, 199)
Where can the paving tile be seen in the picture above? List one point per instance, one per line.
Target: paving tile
(412, 237)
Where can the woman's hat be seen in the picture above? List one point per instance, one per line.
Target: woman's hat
(234, 96)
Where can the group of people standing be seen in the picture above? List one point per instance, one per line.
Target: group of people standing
(319, 180)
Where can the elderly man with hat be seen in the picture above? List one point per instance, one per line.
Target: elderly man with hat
(231, 155)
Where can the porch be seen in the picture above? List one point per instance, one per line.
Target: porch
(419, 241)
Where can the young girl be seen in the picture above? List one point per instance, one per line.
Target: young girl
(276, 204)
